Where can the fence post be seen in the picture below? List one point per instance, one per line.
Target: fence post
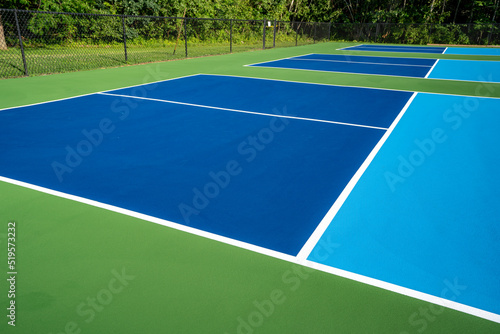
(124, 38)
(21, 43)
(185, 37)
(429, 27)
(296, 35)
(231, 36)
(274, 34)
(490, 33)
(329, 31)
(314, 33)
(264, 34)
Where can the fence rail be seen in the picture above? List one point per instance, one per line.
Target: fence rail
(40, 42)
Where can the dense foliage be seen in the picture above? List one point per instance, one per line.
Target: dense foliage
(368, 11)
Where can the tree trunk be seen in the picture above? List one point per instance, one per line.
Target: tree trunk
(456, 11)
(432, 8)
(495, 13)
(3, 43)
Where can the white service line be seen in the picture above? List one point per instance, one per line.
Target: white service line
(432, 68)
(352, 86)
(325, 222)
(358, 62)
(246, 112)
(152, 219)
(405, 291)
(269, 61)
(88, 94)
(264, 251)
(348, 47)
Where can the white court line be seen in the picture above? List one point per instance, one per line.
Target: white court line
(348, 47)
(88, 94)
(279, 80)
(387, 75)
(267, 252)
(359, 87)
(325, 222)
(432, 68)
(405, 291)
(359, 62)
(392, 48)
(444, 51)
(245, 111)
(347, 72)
(152, 219)
(268, 61)
(401, 55)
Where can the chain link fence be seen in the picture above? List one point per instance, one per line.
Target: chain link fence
(34, 42)
(403, 33)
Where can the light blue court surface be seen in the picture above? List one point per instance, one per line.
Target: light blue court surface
(405, 67)
(425, 214)
(486, 51)
(396, 48)
(259, 161)
(468, 70)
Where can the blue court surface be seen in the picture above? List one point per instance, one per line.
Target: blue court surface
(255, 160)
(474, 51)
(446, 69)
(425, 214)
(396, 48)
(405, 67)
(263, 162)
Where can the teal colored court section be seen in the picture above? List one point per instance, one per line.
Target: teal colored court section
(473, 51)
(425, 215)
(468, 70)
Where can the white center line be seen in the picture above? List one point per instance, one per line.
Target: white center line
(359, 62)
(246, 112)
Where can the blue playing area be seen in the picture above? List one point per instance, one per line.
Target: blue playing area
(422, 215)
(396, 48)
(259, 161)
(484, 51)
(406, 67)
(477, 51)
(467, 70)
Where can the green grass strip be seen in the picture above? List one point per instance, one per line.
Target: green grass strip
(71, 254)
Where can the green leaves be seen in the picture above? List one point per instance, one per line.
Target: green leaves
(368, 11)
